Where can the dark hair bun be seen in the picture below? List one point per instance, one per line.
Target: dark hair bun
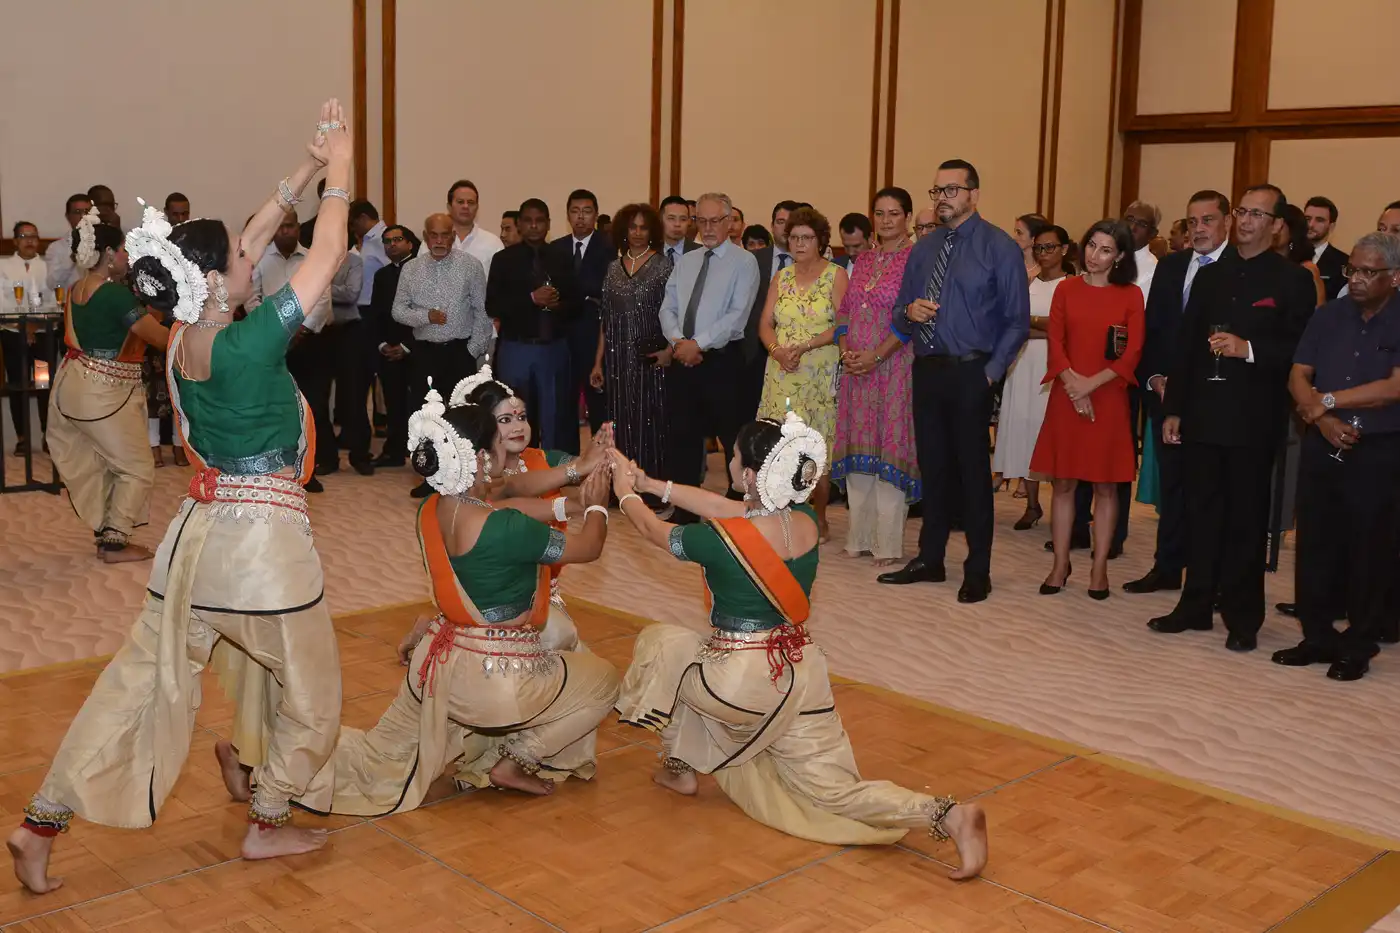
(153, 285)
(425, 459)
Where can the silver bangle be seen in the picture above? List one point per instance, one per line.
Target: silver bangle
(336, 193)
(666, 496)
(601, 510)
(284, 191)
(560, 509)
(571, 473)
(623, 501)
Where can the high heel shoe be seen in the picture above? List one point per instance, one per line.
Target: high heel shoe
(1100, 595)
(1029, 520)
(1047, 590)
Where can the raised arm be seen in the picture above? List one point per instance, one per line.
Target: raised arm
(587, 544)
(258, 233)
(331, 235)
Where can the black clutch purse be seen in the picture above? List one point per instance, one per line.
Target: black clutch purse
(1116, 342)
(654, 345)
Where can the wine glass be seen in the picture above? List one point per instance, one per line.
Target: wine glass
(19, 295)
(1217, 329)
(1355, 422)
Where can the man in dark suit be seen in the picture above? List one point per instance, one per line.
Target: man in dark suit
(1321, 215)
(675, 221)
(771, 260)
(1226, 403)
(856, 238)
(395, 343)
(588, 252)
(1208, 225)
(530, 291)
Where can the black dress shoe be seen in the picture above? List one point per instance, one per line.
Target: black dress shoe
(389, 460)
(1303, 654)
(1348, 669)
(916, 571)
(1173, 624)
(1287, 609)
(1154, 581)
(974, 589)
(363, 467)
(1242, 642)
(1115, 551)
(328, 468)
(1390, 634)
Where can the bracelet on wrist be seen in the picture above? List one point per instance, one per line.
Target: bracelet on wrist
(336, 193)
(666, 496)
(623, 501)
(284, 192)
(600, 509)
(561, 509)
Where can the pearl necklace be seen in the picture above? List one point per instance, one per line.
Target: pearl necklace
(633, 260)
(202, 322)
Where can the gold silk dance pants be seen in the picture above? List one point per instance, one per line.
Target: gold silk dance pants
(97, 439)
(125, 748)
(466, 716)
(778, 751)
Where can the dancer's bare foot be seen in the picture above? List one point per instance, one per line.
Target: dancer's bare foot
(855, 555)
(967, 824)
(882, 561)
(285, 840)
(685, 783)
(132, 552)
(235, 775)
(158, 457)
(508, 774)
(30, 852)
(180, 458)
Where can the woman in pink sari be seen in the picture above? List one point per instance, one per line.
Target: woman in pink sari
(874, 450)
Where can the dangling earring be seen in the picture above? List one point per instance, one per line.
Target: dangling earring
(220, 293)
(486, 464)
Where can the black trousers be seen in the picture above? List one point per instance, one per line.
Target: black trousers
(1227, 496)
(352, 372)
(952, 409)
(312, 364)
(754, 362)
(703, 402)
(447, 363)
(11, 346)
(1084, 508)
(1170, 557)
(583, 350)
(1348, 535)
(394, 379)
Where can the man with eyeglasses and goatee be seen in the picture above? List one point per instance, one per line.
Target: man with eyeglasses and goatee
(1226, 403)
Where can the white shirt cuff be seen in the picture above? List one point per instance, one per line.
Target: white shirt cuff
(1249, 356)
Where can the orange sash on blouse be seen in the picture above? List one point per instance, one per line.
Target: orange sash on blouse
(765, 568)
(133, 349)
(448, 595)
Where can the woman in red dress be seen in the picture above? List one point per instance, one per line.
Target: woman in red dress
(1095, 338)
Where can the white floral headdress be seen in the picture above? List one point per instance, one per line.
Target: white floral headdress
(152, 238)
(86, 254)
(469, 385)
(456, 457)
(790, 472)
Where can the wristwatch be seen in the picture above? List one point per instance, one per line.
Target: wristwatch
(1329, 401)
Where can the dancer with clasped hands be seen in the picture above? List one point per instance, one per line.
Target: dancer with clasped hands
(236, 584)
(752, 703)
(482, 690)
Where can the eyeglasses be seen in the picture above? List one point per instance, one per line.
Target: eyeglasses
(1140, 222)
(1043, 248)
(1362, 273)
(802, 238)
(395, 239)
(1255, 213)
(711, 221)
(947, 191)
(925, 228)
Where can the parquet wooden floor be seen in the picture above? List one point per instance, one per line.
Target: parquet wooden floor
(1078, 844)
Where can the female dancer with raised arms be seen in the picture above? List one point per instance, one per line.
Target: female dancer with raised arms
(481, 687)
(752, 704)
(236, 582)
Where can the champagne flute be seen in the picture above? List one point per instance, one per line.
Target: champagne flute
(58, 295)
(1355, 422)
(19, 295)
(1217, 329)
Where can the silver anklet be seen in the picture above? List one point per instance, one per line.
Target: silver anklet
(529, 767)
(938, 812)
(676, 766)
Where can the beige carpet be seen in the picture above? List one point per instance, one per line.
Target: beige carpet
(1064, 666)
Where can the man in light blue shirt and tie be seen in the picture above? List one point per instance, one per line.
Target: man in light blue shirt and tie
(708, 298)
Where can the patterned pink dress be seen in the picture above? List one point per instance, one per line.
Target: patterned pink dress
(874, 412)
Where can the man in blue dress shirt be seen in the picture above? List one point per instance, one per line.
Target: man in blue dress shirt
(965, 304)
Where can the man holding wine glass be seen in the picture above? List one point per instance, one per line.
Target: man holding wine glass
(1226, 404)
(1347, 364)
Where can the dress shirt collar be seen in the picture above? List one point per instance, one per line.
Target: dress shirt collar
(678, 246)
(583, 242)
(1213, 254)
(375, 233)
(272, 250)
(1319, 250)
(462, 242)
(720, 251)
(964, 229)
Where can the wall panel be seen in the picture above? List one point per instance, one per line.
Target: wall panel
(1342, 55)
(1085, 109)
(535, 112)
(1357, 174)
(1187, 55)
(1171, 172)
(142, 103)
(763, 119)
(972, 92)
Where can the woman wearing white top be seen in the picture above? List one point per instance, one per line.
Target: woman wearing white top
(1023, 400)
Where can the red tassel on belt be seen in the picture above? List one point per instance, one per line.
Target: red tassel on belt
(785, 641)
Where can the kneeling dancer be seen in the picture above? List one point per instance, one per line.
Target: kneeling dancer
(481, 689)
(752, 704)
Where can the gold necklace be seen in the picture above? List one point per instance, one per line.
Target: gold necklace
(882, 266)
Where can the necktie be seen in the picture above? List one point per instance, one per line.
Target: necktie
(578, 255)
(783, 260)
(693, 305)
(671, 254)
(935, 281)
(1201, 263)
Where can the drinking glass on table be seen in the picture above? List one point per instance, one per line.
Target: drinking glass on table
(19, 295)
(1355, 422)
(1217, 329)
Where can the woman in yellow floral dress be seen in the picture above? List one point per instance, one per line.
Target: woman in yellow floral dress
(798, 328)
